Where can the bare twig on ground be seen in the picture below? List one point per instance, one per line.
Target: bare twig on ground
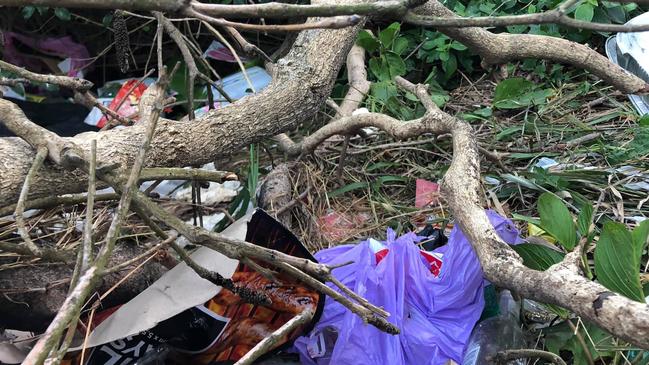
(506, 356)
(270, 342)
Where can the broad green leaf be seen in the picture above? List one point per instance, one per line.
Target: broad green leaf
(458, 46)
(450, 66)
(400, 45)
(367, 41)
(557, 220)
(616, 262)
(380, 68)
(644, 121)
(387, 35)
(584, 219)
(511, 88)
(562, 337)
(538, 257)
(585, 12)
(639, 235)
(63, 14)
(396, 66)
(383, 90)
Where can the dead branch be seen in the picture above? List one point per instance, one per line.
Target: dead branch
(504, 357)
(501, 48)
(73, 83)
(20, 205)
(393, 8)
(87, 280)
(86, 249)
(324, 23)
(563, 284)
(556, 16)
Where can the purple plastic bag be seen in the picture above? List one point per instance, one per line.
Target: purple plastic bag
(435, 314)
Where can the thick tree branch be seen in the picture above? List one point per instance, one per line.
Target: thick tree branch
(502, 48)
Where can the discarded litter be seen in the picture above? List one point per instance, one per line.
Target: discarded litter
(495, 334)
(187, 319)
(426, 193)
(630, 51)
(340, 226)
(435, 313)
(218, 51)
(545, 163)
(236, 87)
(58, 55)
(116, 94)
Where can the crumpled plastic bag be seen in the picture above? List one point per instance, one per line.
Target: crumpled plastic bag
(435, 314)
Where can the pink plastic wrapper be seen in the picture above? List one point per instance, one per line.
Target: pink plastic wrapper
(426, 193)
(63, 48)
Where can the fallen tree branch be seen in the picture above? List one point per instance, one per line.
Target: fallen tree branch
(87, 281)
(563, 285)
(501, 48)
(556, 16)
(324, 23)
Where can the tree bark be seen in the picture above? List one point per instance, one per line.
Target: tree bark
(302, 82)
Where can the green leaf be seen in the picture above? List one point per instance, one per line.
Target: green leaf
(107, 20)
(367, 41)
(387, 35)
(396, 66)
(380, 68)
(584, 219)
(616, 262)
(28, 11)
(538, 257)
(639, 235)
(450, 66)
(458, 46)
(63, 14)
(585, 12)
(557, 220)
(517, 93)
(562, 337)
(348, 188)
(644, 121)
(400, 45)
(383, 91)
(512, 88)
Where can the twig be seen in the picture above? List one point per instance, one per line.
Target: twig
(86, 249)
(247, 47)
(325, 23)
(73, 83)
(232, 50)
(503, 357)
(366, 314)
(121, 266)
(556, 16)
(20, 205)
(247, 294)
(174, 173)
(88, 100)
(76, 298)
(271, 341)
(283, 10)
